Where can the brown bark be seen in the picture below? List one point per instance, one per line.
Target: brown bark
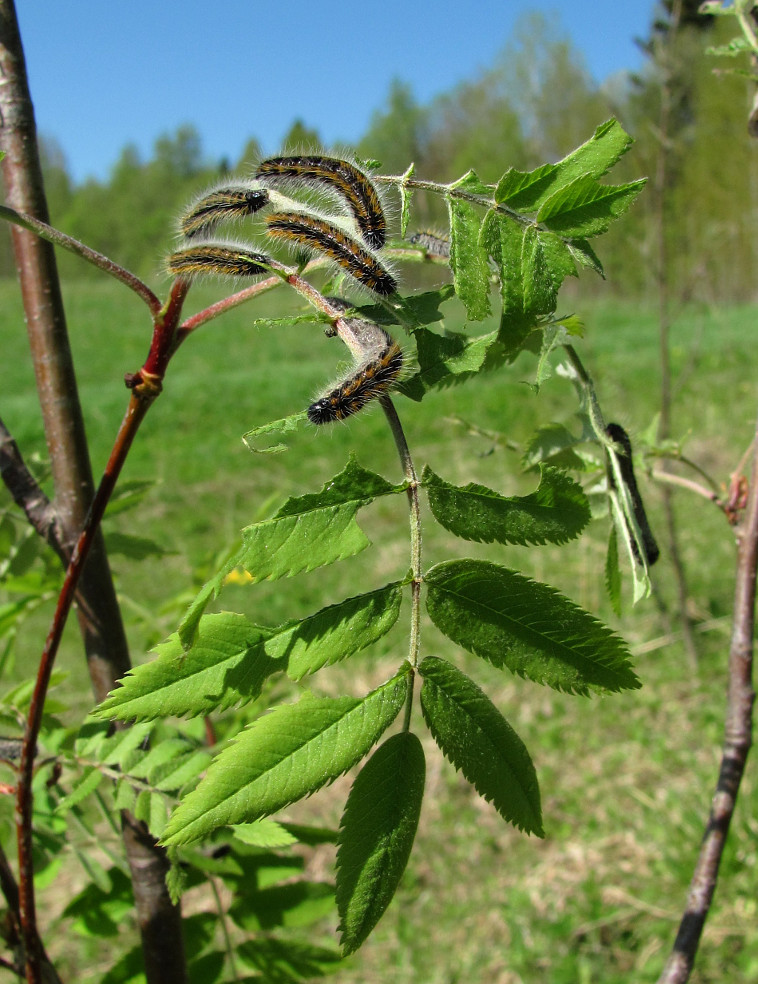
(99, 617)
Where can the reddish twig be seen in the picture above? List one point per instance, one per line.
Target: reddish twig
(737, 742)
(104, 263)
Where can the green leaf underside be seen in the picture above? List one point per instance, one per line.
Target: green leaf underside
(585, 208)
(309, 531)
(556, 512)
(526, 191)
(377, 831)
(613, 571)
(526, 627)
(468, 261)
(231, 658)
(445, 360)
(479, 742)
(285, 755)
(503, 239)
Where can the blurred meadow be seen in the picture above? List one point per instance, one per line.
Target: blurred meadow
(625, 779)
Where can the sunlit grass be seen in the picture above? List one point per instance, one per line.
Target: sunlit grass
(626, 780)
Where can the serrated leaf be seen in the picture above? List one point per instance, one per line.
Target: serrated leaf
(526, 627)
(468, 261)
(556, 512)
(264, 833)
(479, 742)
(94, 741)
(586, 208)
(182, 770)
(521, 190)
(377, 831)
(449, 359)
(309, 531)
(583, 253)
(88, 783)
(156, 758)
(125, 795)
(231, 658)
(527, 191)
(541, 282)
(285, 755)
(151, 809)
(503, 239)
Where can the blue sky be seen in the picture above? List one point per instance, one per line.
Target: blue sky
(106, 74)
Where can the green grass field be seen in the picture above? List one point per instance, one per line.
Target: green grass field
(626, 780)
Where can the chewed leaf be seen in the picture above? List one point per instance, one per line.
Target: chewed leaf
(468, 261)
(556, 512)
(376, 836)
(478, 740)
(284, 426)
(285, 755)
(526, 627)
(445, 360)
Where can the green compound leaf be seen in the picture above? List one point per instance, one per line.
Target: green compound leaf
(587, 208)
(230, 657)
(468, 261)
(376, 836)
(479, 742)
(526, 627)
(309, 531)
(556, 512)
(285, 755)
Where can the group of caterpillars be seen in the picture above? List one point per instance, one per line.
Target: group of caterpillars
(351, 238)
(350, 235)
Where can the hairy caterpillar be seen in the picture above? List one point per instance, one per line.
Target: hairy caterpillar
(317, 233)
(222, 259)
(433, 244)
(345, 179)
(375, 376)
(619, 436)
(222, 204)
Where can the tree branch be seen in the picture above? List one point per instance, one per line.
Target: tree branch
(99, 615)
(27, 494)
(737, 742)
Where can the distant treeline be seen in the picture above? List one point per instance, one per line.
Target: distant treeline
(533, 105)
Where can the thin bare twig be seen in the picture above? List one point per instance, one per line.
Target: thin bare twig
(737, 743)
(27, 494)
